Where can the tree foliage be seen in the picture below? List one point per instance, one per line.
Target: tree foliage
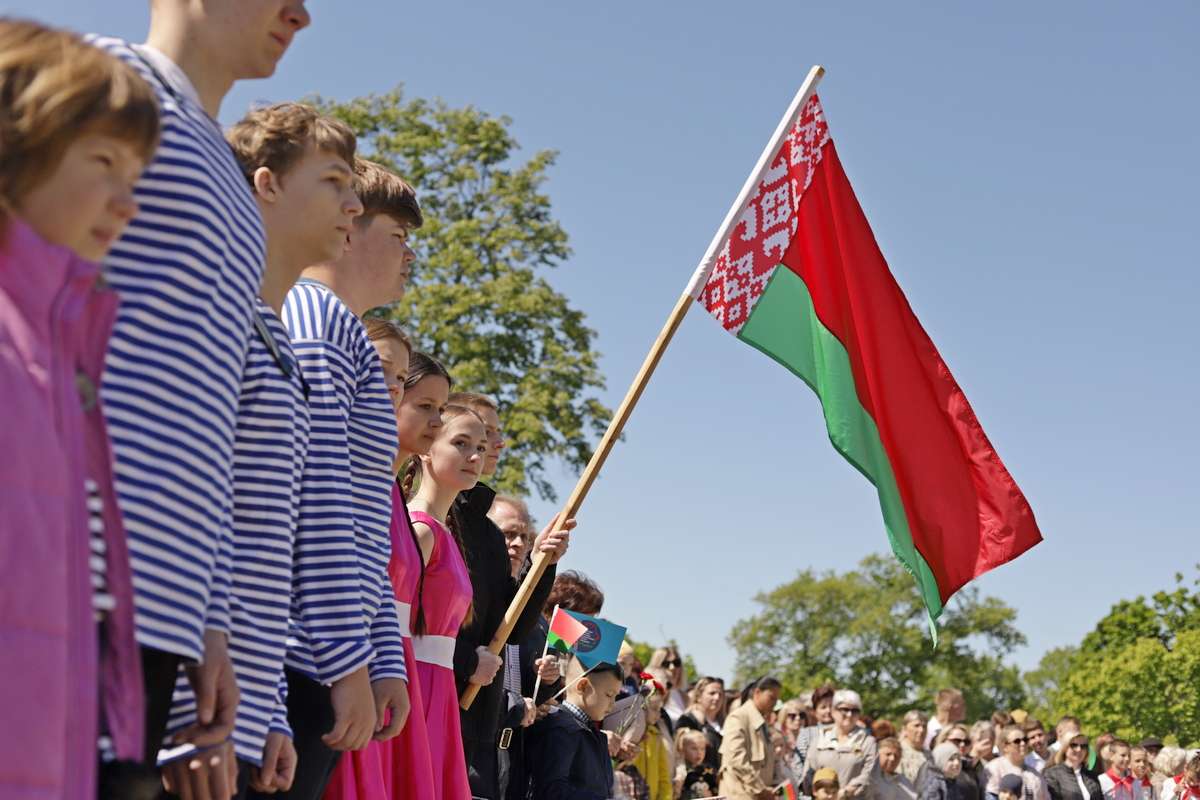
(868, 630)
(1136, 674)
(476, 300)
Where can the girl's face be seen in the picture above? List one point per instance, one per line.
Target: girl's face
(419, 415)
(393, 355)
(953, 767)
(712, 699)
(86, 202)
(693, 751)
(455, 459)
(825, 793)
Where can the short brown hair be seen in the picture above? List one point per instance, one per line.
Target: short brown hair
(574, 591)
(384, 192)
(278, 136)
(1032, 724)
(54, 88)
(475, 401)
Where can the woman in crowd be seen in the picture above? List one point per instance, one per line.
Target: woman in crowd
(454, 463)
(945, 764)
(792, 719)
(671, 660)
(846, 746)
(822, 711)
(705, 714)
(1013, 744)
(1067, 775)
(914, 759)
(401, 768)
(1167, 764)
(967, 779)
(747, 759)
(889, 784)
(76, 129)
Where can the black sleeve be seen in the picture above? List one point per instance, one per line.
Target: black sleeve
(527, 622)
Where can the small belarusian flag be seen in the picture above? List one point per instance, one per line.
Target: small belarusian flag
(786, 791)
(801, 278)
(565, 631)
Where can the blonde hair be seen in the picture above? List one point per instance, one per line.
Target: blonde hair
(684, 734)
(279, 136)
(55, 88)
(378, 328)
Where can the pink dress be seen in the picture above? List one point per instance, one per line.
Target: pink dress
(400, 768)
(447, 596)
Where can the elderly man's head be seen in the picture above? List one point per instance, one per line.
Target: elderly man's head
(511, 516)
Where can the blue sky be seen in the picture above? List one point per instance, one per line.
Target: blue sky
(1030, 171)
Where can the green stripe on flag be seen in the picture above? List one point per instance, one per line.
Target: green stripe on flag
(785, 326)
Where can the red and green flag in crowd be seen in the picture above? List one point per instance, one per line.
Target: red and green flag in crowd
(801, 278)
(565, 631)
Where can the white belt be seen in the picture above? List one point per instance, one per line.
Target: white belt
(404, 612)
(434, 649)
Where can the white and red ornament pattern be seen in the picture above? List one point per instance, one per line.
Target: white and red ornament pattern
(766, 228)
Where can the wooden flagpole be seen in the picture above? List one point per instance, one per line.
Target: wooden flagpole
(541, 560)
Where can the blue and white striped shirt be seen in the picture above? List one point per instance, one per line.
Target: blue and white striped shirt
(270, 446)
(188, 269)
(346, 494)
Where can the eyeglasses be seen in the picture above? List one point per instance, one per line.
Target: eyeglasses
(845, 710)
(959, 742)
(1017, 741)
(1078, 745)
(672, 662)
(793, 715)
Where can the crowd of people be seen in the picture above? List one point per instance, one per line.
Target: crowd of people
(247, 546)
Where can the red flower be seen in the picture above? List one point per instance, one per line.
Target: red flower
(646, 676)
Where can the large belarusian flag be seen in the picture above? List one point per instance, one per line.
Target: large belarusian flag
(802, 279)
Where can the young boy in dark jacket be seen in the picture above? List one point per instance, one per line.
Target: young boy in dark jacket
(570, 756)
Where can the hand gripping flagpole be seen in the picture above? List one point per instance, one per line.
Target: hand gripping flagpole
(695, 286)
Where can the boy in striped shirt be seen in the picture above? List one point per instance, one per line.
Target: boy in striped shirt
(346, 491)
(299, 164)
(188, 269)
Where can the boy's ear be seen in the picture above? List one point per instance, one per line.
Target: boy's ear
(266, 184)
(582, 684)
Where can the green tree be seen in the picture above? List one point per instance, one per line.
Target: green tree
(1136, 673)
(1042, 683)
(477, 301)
(1144, 689)
(868, 630)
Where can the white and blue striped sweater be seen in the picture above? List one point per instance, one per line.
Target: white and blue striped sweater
(345, 499)
(188, 269)
(270, 448)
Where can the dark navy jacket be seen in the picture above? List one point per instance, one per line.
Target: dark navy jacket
(569, 760)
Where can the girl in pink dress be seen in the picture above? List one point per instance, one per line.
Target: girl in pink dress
(401, 768)
(454, 463)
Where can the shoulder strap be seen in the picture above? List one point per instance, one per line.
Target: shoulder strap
(421, 516)
(286, 365)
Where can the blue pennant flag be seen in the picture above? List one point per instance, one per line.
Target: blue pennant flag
(602, 642)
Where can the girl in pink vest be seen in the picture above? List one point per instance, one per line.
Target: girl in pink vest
(76, 128)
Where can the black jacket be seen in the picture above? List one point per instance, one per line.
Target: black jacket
(712, 754)
(570, 760)
(494, 588)
(1060, 780)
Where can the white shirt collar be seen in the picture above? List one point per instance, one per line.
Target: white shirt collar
(170, 72)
